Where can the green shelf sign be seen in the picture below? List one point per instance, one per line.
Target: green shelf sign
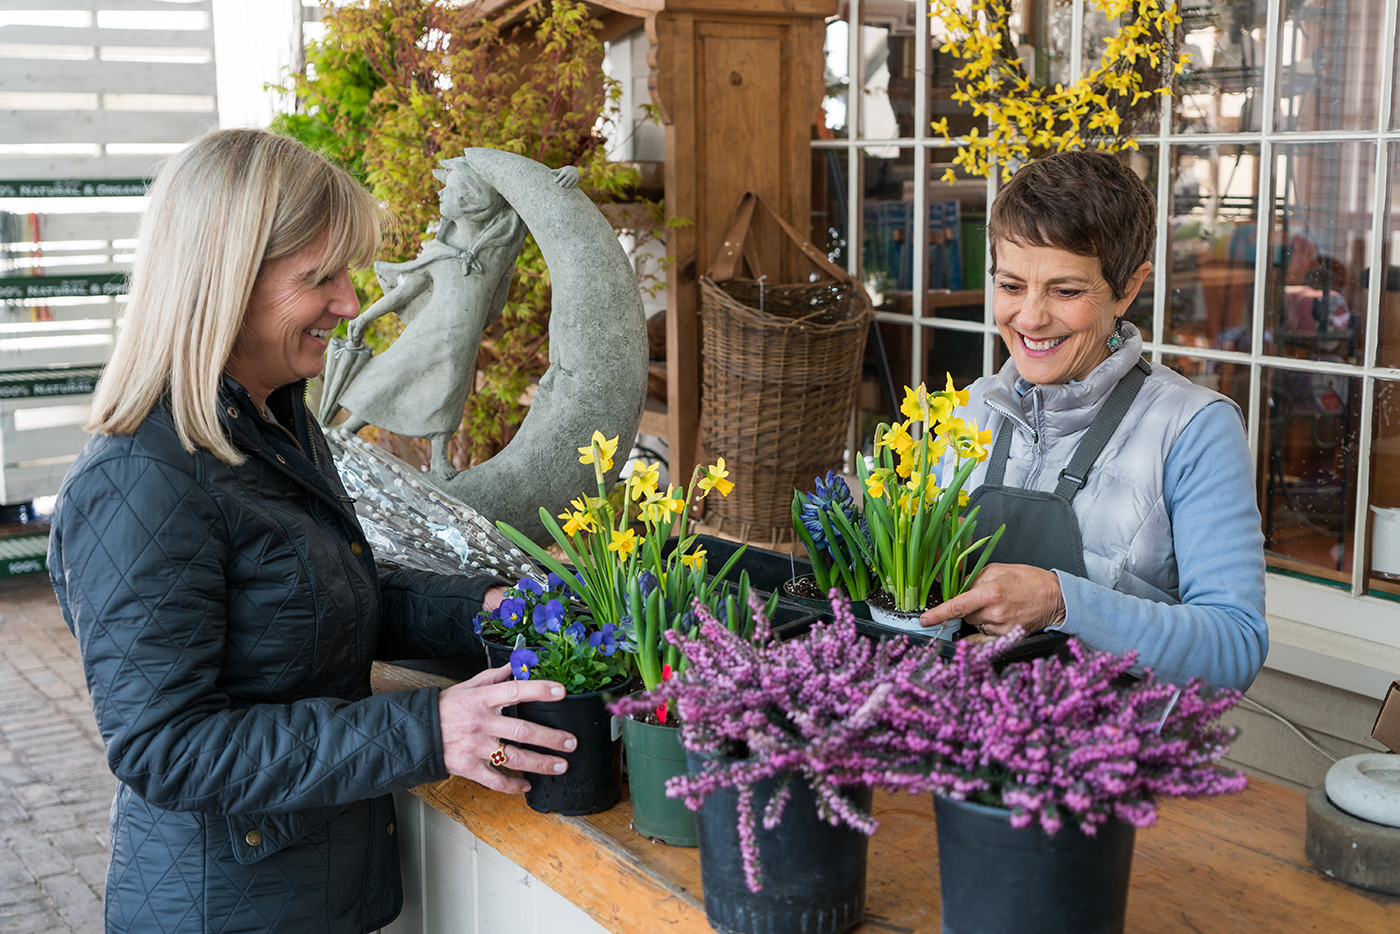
(47, 383)
(73, 187)
(25, 554)
(38, 288)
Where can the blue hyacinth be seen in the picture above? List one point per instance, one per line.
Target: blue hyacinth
(831, 495)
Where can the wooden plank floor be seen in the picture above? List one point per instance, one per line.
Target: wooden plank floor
(1232, 863)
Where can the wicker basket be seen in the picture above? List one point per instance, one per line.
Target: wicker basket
(780, 382)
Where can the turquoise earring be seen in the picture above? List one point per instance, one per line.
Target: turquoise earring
(1115, 340)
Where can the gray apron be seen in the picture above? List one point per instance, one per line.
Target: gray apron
(1041, 528)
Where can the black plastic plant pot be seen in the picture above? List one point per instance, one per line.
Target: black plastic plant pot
(813, 873)
(593, 782)
(999, 879)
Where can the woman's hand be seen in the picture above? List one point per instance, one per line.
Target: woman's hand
(1003, 597)
(492, 599)
(473, 728)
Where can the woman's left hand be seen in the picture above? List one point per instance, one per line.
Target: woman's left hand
(492, 599)
(1003, 597)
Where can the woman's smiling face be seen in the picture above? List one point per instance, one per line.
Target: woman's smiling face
(290, 315)
(1055, 310)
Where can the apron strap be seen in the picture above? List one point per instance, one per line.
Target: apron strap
(996, 464)
(1073, 477)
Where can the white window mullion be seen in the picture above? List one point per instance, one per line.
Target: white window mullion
(855, 85)
(921, 183)
(1264, 230)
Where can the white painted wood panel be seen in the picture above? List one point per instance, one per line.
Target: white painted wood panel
(456, 884)
(126, 5)
(94, 36)
(101, 77)
(24, 484)
(107, 126)
(66, 166)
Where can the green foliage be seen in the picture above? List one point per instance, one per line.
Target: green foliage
(397, 85)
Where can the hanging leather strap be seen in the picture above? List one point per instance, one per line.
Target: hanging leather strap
(738, 243)
(1076, 474)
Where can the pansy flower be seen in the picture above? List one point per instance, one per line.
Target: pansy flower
(575, 631)
(521, 661)
(530, 585)
(548, 617)
(557, 583)
(511, 612)
(605, 639)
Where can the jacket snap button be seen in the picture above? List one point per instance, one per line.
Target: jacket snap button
(254, 838)
(232, 412)
(391, 828)
(281, 459)
(356, 548)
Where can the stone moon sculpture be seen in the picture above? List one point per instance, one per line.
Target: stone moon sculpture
(597, 374)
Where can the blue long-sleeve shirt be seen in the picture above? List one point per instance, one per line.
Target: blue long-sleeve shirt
(1217, 632)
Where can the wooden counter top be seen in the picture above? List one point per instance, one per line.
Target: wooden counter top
(1231, 863)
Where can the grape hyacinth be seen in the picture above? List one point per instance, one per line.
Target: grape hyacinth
(1054, 741)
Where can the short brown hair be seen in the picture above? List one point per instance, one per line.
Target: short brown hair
(1086, 202)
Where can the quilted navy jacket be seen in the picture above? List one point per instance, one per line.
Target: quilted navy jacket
(227, 618)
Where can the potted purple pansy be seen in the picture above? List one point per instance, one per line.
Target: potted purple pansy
(530, 608)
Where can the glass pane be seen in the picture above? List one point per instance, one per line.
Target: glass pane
(941, 105)
(1222, 87)
(837, 79)
(1395, 98)
(888, 365)
(1329, 64)
(956, 352)
(1143, 162)
(1384, 520)
(887, 69)
(1321, 243)
(1230, 379)
(830, 197)
(957, 220)
(1307, 470)
(1210, 285)
(887, 237)
(1388, 347)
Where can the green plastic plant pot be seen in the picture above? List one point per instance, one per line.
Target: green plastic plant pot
(654, 754)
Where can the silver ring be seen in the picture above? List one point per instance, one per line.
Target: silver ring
(498, 755)
(982, 628)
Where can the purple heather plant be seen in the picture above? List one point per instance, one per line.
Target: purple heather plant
(1054, 741)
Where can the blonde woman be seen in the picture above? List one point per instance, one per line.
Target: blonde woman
(227, 606)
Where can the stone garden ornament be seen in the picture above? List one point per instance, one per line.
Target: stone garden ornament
(455, 288)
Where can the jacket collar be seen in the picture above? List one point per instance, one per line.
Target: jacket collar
(1066, 407)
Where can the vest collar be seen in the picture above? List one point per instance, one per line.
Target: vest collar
(1064, 408)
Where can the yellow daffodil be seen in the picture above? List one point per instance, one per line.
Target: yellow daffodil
(642, 483)
(875, 483)
(599, 452)
(713, 479)
(693, 559)
(624, 543)
(915, 404)
(907, 462)
(673, 500)
(956, 396)
(967, 440)
(576, 522)
(898, 439)
(963, 499)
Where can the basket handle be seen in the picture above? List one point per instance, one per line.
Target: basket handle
(737, 242)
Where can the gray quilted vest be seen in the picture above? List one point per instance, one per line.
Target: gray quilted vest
(1122, 515)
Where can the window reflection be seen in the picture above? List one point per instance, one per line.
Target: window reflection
(1320, 243)
(1210, 285)
(1329, 62)
(886, 73)
(1307, 470)
(1223, 84)
(1384, 519)
(1388, 341)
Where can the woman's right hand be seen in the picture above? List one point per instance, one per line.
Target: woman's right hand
(473, 728)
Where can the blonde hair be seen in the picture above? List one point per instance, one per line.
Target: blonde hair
(230, 202)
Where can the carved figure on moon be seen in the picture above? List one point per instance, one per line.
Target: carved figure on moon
(446, 297)
(457, 286)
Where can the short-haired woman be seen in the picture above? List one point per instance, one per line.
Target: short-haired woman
(226, 604)
(1127, 491)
